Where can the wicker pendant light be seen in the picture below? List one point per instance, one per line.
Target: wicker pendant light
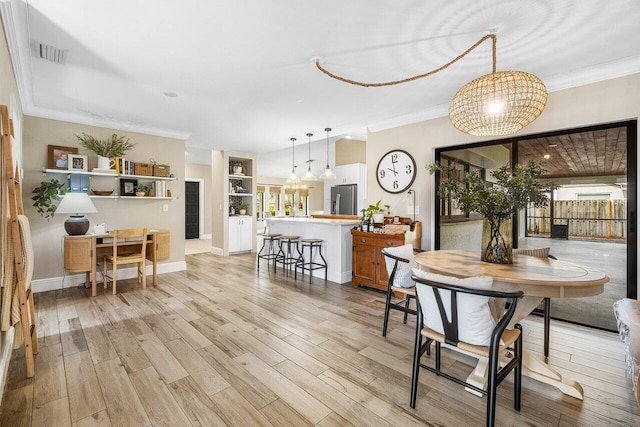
(498, 103)
(495, 104)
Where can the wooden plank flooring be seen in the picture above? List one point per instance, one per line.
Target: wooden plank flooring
(224, 344)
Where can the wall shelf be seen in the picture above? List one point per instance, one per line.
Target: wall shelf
(114, 175)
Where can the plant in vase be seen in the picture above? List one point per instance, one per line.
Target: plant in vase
(243, 209)
(106, 149)
(512, 191)
(141, 190)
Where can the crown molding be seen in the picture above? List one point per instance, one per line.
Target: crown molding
(84, 120)
(16, 30)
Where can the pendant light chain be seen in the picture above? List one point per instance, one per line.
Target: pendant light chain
(409, 79)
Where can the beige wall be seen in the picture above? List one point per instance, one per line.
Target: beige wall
(47, 237)
(607, 101)
(350, 151)
(203, 172)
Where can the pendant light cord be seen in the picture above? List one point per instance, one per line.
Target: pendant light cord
(409, 79)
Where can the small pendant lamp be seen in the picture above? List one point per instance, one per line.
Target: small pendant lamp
(293, 178)
(309, 176)
(328, 174)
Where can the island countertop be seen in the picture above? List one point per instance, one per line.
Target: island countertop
(336, 236)
(314, 220)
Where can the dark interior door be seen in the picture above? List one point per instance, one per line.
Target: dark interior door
(192, 210)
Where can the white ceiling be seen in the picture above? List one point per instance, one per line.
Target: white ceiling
(243, 71)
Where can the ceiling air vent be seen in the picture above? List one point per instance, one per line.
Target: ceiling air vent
(51, 53)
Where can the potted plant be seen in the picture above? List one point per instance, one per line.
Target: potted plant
(141, 190)
(375, 213)
(45, 195)
(243, 208)
(237, 168)
(511, 192)
(106, 149)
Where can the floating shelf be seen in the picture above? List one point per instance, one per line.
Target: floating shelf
(114, 175)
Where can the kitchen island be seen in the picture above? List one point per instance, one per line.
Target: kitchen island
(336, 234)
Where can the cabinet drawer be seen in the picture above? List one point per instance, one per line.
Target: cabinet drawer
(365, 241)
(388, 243)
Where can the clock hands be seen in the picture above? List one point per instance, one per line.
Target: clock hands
(393, 163)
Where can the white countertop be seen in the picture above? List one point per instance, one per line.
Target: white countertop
(315, 220)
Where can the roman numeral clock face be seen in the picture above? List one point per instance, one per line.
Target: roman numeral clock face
(396, 171)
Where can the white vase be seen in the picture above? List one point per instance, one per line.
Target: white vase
(105, 163)
(378, 218)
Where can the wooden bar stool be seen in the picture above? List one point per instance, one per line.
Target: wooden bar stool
(272, 248)
(311, 265)
(286, 255)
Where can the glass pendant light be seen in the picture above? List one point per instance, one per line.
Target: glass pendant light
(309, 176)
(293, 178)
(328, 174)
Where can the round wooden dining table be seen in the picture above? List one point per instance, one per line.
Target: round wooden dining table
(538, 278)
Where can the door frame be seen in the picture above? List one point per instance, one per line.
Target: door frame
(200, 181)
(632, 182)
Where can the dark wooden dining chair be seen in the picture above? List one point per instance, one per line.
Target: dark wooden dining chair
(546, 303)
(129, 247)
(399, 262)
(457, 313)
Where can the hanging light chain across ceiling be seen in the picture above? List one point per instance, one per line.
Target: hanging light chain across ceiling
(499, 103)
(409, 79)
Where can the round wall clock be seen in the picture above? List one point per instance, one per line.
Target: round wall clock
(396, 171)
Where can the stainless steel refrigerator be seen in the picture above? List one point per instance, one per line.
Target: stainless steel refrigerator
(344, 199)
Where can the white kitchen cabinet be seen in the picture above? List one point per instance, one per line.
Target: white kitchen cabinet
(240, 233)
(349, 174)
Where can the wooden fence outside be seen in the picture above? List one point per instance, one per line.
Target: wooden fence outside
(586, 218)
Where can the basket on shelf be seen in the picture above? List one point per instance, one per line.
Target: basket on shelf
(161, 170)
(145, 169)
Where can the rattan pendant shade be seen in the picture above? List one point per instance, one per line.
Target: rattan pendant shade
(495, 104)
(499, 103)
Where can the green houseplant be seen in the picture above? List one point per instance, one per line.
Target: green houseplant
(46, 194)
(242, 208)
(512, 191)
(375, 212)
(141, 190)
(115, 146)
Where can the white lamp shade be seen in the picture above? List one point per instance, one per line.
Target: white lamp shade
(76, 203)
(328, 174)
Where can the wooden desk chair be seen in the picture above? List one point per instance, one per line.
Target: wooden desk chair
(457, 312)
(399, 262)
(129, 254)
(546, 309)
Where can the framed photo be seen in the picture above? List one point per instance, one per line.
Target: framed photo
(77, 163)
(128, 187)
(59, 157)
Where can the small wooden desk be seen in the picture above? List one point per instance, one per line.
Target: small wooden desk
(537, 278)
(82, 253)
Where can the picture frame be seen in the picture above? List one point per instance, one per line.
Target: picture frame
(78, 163)
(128, 187)
(58, 156)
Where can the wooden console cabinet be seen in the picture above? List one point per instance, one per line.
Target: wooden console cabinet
(367, 262)
(81, 253)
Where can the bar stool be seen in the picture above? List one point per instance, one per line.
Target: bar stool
(311, 264)
(272, 240)
(286, 255)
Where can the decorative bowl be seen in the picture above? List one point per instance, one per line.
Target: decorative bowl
(102, 192)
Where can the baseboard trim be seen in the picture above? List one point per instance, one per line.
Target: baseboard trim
(217, 251)
(73, 280)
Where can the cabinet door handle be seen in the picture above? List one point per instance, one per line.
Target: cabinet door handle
(363, 240)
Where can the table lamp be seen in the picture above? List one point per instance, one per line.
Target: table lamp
(76, 204)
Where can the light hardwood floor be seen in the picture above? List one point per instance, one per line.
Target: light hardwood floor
(222, 344)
